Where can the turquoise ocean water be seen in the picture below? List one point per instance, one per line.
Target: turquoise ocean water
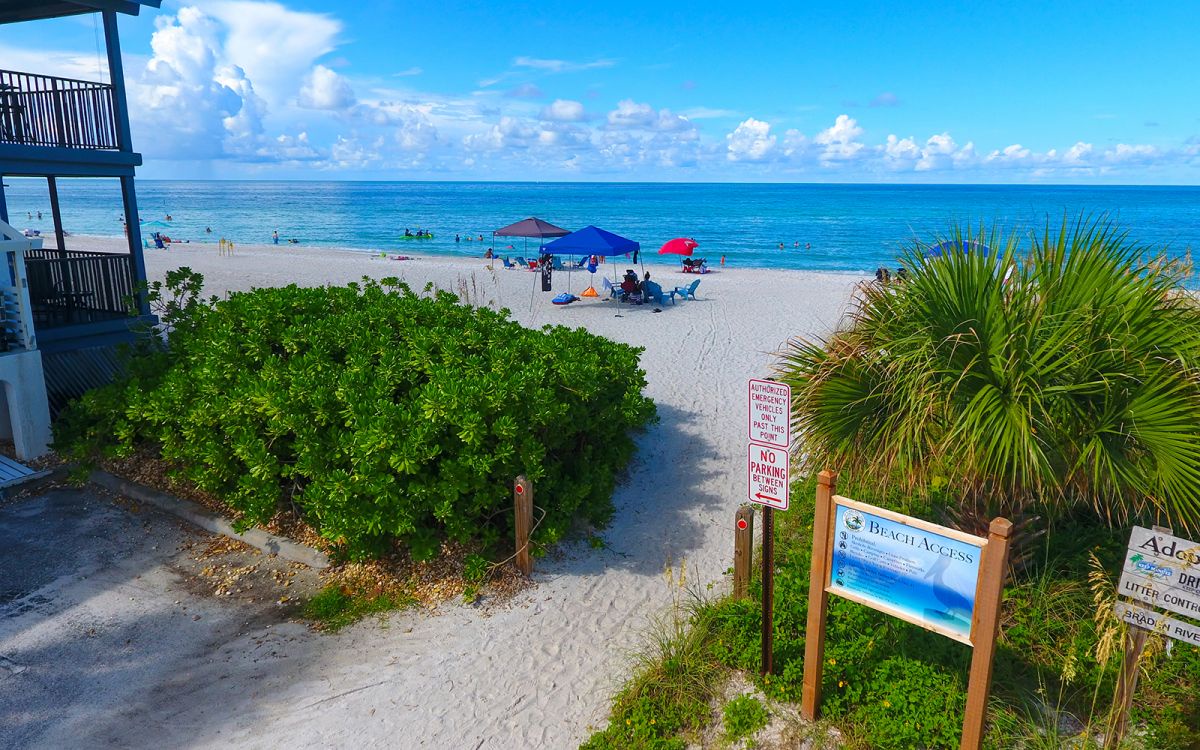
(845, 227)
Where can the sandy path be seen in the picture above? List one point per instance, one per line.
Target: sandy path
(539, 672)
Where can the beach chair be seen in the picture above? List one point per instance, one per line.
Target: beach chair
(521, 262)
(556, 262)
(689, 290)
(613, 290)
(658, 294)
(508, 263)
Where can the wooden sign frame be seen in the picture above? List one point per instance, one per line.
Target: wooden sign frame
(984, 618)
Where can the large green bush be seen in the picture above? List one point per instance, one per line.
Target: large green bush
(1058, 369)
(378, 413)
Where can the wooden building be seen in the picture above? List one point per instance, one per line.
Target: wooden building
(82, 302)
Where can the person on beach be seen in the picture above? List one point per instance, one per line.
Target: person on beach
(481, 238)
(489, 254)
(629, 284)
(456, 239)
(722, 261)
(275, 236)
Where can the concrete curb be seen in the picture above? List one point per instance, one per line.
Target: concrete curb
(198, 515)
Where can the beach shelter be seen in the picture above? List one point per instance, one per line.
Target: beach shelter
(531, 227)
(591, 240)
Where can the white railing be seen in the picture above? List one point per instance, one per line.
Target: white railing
(16, 315)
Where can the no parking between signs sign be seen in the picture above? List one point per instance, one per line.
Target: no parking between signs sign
(770, 434)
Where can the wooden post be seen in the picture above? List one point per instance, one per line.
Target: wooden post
(768, 590)
(818, 597)
(1135, 644)
(523, 505)
(984, 626)
(743, 550)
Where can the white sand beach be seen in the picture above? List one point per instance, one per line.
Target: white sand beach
(540, 671)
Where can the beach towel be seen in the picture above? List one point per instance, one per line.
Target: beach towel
(564, 299)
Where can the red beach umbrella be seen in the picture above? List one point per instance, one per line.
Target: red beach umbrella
(679, 246)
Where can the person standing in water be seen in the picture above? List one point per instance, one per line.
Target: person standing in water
(275, 237)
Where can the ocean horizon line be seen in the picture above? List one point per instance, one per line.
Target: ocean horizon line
(698, 183)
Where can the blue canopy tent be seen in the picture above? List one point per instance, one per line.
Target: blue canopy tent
(591, 240)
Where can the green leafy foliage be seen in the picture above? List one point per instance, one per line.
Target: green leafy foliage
(379, 413)
(1060, 376)
(743, 716)
(335, 607)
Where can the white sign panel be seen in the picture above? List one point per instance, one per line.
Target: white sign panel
(1162, 570)
(1168, 626)
(769, 476)
(770, 413)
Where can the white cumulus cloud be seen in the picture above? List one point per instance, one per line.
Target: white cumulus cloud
(325, 89)
(751, 140)
(564, 110)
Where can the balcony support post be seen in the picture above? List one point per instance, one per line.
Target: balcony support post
(116, 76)
(133, 234)
(133, 229)
(3, 202)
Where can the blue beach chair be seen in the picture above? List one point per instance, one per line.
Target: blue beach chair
(521, 262)
(508, 263)
(689, 290)
(556, 263)
(656, 293)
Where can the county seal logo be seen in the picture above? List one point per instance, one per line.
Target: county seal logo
(853, 520)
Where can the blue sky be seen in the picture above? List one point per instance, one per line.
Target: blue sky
(701, 91)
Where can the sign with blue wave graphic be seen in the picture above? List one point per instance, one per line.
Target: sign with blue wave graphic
(911, 569)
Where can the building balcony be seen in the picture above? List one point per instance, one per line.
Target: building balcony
(38, 110)
(77, 287)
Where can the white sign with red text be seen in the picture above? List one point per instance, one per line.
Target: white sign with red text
(768, 469)
(770, 413)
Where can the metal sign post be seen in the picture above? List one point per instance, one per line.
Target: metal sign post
(768, 469)
(768, 589)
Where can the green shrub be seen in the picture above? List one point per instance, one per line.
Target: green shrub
(378, 413)
(1059, 377)
(743, 716)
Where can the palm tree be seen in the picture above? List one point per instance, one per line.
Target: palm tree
(1031, 380)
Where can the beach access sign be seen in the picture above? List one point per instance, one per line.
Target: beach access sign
(1162, 571)
(768, 465)
(906, 567)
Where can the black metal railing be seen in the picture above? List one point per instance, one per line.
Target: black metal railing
(37, 110)
(75, 287)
